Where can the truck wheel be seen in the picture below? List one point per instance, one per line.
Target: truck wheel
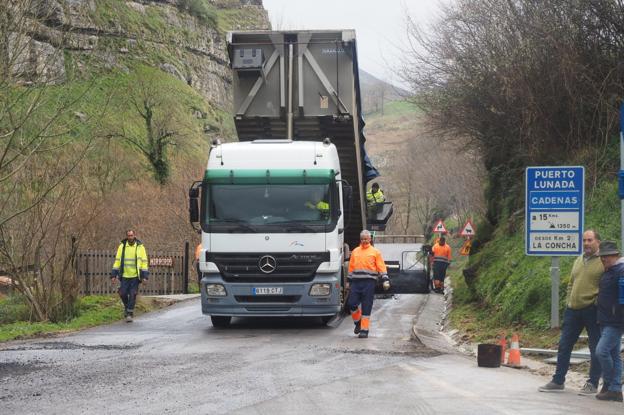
(220, 321)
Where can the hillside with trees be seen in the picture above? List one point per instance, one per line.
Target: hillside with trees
(107, 108)
(523, 83)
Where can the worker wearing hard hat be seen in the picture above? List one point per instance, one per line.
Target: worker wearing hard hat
(366, 265)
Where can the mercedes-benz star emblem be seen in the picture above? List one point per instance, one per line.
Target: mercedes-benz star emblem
(267, 264)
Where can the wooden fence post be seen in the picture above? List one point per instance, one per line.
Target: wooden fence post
(186, 267)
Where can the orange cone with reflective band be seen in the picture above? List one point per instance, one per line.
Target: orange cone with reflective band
(514, 352)
(503, 345)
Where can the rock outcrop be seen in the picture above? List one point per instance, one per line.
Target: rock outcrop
(182, 37)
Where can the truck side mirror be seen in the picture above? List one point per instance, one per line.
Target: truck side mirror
(194, 202)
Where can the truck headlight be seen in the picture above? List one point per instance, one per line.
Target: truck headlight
(320, 290)
(215, 290)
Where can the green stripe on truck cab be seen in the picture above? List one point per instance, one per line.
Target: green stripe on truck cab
(269, 176)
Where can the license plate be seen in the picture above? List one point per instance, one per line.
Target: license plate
(268, 290)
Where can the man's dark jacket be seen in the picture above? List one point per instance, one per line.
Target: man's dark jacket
(610, 311)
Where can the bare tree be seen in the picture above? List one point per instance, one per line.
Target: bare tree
(37, 248)
(525, 82)
(35, 120)
(45, 189)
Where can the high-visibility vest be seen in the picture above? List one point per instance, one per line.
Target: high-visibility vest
(441, 253)
(323, 206)
(377, 197)
(130, 259)
(367, 263)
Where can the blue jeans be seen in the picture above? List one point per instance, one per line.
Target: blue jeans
(573, 323)
(128, 291)
(608, 353)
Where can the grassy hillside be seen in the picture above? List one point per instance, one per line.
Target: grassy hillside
(513, 290)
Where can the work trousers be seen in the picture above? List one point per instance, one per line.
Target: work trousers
(608, 353)
(128, 291)
(362, 292)
(574, 321)
(439, 270)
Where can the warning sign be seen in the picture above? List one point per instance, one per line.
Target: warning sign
(468, 229)
(465, 249)
(439, 227)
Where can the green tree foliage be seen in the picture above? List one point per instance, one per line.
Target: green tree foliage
(529, 82)
(157, 120)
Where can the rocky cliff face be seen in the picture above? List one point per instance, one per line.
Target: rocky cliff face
(186, 38)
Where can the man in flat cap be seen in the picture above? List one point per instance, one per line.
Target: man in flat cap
(611, 321)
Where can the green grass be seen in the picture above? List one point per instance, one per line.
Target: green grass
(91, 310)
(397, 115)
(395, 110)
(512, 290)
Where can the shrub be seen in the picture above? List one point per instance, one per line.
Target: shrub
(201, 9)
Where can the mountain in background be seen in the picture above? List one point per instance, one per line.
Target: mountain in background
(377, 93)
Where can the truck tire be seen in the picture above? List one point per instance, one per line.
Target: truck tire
(220, 321)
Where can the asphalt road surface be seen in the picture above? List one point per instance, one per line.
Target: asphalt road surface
(174, 361)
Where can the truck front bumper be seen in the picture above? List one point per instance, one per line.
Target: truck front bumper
(295, 299)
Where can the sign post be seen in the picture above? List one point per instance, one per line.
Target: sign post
(555, 208)
(621, 175)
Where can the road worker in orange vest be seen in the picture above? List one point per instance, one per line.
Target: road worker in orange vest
(365, 266)
(441, 252)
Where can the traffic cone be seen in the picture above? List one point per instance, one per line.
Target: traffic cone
(503, 345)
(514, 352)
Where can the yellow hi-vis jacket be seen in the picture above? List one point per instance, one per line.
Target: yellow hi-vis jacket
(367, 263)
(321, 206)
(377, 197)
(441, 253)
(130, 261)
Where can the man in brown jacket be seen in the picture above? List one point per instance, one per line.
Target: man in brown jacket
(580, 313)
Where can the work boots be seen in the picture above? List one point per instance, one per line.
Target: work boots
(358, 327)
(129, 317)
(610, 396)
(363, 334)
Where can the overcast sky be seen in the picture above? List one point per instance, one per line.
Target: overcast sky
(379, 25)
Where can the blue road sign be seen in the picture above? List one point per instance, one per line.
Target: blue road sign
(555, 210)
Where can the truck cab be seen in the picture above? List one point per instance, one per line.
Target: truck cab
(272, 218)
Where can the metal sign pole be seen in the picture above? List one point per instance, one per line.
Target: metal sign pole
(621, 175)
(554, 292)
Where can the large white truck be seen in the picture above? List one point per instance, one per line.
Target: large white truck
(280, 209)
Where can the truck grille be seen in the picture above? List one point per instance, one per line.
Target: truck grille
(289, 267)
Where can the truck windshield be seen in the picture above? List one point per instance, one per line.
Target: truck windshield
(285, 207)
